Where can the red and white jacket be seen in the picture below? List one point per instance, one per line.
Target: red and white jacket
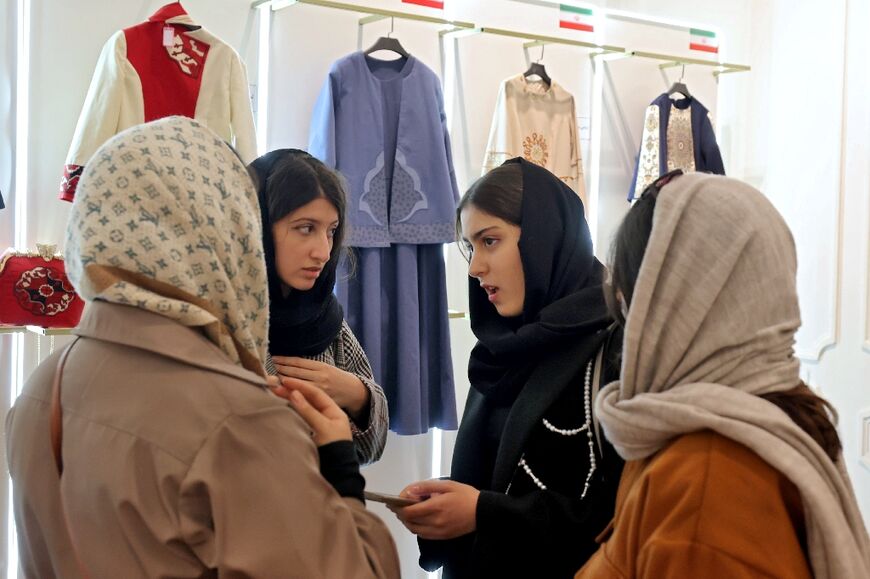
(165, 66)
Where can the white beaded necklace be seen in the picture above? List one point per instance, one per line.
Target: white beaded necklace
(586, 427)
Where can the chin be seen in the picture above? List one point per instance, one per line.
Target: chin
(303, 284)
(507, 311)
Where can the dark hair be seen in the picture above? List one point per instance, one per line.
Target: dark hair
(498, 193)
(299, 179)
(813, 414)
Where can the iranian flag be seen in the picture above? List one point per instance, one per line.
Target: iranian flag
(575, 18)
(439, 4)
(703, 40)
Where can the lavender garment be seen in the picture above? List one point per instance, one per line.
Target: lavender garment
(396, 159)
(396, 304)
(396, 301)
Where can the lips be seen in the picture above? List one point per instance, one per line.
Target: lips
(491, 291)
(311, 272)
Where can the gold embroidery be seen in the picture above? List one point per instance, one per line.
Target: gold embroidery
(681, 148)
(535, 149)
(648, 161)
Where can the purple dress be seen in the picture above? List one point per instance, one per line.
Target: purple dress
(395, 298)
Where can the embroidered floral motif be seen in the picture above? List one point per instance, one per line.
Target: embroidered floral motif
(535, 149)
(648, 164)
(188, 53)
(681, 147)
(44, 291)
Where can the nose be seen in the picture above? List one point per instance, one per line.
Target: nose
(321, 248)
(476, 265)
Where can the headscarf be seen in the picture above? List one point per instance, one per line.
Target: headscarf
(304, 323)
(165, 219)
(711, 327)
(564, 298)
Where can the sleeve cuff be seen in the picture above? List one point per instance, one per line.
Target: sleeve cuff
(70, 181)
(339, 466)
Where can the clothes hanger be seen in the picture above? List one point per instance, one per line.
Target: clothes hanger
(537, 69)
(679, 87)
(388, 43)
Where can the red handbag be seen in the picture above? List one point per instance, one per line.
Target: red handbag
(35, 291)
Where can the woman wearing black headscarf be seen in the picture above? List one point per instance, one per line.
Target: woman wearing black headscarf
(533, 482)
(302, 205)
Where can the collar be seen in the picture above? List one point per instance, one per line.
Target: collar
(154, 333)
(173, 13)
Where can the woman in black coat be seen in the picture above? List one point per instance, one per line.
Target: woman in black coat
(533, 482)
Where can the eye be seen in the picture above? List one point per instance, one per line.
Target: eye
(489, 241)
(305, 229)
(332, 231)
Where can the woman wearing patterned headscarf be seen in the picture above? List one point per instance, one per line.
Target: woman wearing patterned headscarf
(175, 459)
(532, 482)
(734, 465)
(302, 204)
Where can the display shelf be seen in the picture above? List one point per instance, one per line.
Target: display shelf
(12, 329)
(374, 13)
(49, 331)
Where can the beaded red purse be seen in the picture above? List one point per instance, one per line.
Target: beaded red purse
(35, 291)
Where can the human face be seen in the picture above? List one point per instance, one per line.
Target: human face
(494, 259)
(303, 242)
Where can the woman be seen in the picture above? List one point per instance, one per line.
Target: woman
(532, 484)
(302, 203)
(176, 460)
(735, 467)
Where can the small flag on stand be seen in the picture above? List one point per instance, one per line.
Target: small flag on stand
(439, 4)
(575, 18)
(703, 40)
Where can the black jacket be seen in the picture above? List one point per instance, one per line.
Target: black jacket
(523, 531)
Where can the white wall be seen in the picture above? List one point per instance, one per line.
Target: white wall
(811, 117)
(796, 127)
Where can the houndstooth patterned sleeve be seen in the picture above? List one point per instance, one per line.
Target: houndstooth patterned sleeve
(350, 357)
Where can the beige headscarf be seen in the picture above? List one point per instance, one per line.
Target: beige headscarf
(711, 326)
(166, 219)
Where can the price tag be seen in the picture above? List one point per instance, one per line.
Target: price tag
(168, 35)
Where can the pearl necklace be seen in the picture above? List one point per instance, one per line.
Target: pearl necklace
(587, 428)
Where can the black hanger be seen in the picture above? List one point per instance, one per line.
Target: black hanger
(388, 43)
(537, 69)
(679, 87)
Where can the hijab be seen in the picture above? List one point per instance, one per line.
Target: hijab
(165, 219)
(563, 280)
(711, 327)
(302, 323)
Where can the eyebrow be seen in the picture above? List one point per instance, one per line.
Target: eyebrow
(477, 235)
(312, 220)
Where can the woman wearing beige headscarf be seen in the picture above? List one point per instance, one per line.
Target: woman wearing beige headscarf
(176, 460)
(735, 468)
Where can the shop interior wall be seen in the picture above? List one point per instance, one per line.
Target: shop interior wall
(7, 163)
(797, 126)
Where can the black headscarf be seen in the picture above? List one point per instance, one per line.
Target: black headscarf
(564, 298)
(304, 323)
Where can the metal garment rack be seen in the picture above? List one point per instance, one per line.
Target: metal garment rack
(461, 28)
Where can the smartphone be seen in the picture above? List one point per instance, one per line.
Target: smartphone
(392, 500)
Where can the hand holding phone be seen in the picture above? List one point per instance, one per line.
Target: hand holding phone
(391, 500)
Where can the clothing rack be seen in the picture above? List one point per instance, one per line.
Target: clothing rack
(460, 28)
(374, 14)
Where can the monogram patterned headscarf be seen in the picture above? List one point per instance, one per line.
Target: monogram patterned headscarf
(166, 219)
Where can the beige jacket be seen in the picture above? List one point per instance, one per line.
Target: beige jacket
(177, 464)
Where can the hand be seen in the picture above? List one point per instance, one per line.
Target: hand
(345, 388)
(327, 421)
(450, 510)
